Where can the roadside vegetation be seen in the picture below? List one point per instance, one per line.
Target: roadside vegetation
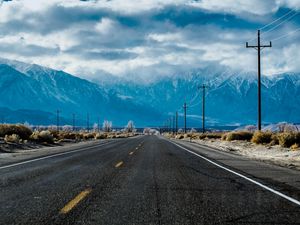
(286, 139)
(21, 135)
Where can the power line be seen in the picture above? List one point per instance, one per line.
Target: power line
(274, 21)
(284, 21)
(286, 35)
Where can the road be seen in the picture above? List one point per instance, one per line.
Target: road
(147, 180)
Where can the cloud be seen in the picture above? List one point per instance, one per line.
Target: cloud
(239, 7)
(145, 38)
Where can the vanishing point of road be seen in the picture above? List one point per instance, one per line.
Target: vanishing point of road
(146, 180)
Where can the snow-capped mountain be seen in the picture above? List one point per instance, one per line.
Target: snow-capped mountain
(231, 96)
(32, 87)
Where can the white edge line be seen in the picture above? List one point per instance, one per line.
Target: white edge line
(51, 156)
(242, 176)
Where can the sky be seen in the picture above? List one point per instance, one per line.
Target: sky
(147, 38)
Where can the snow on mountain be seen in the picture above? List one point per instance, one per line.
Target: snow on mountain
(34, 87)
(231, 95)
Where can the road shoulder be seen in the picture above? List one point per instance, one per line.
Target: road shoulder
(283, 178)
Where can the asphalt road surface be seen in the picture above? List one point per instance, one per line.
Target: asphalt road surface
(147, 180)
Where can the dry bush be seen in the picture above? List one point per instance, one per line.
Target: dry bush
(213, 135)
(274, 140)
(54, 133)
(87, 136)
(179, 136)
(288, 139)
(122, 135)
(43, 136)
(262, 137)
(14, 138)
(8, 129)
(224, 137)
(239, 135)
(101, 136)
(67, 135)
(295, 147)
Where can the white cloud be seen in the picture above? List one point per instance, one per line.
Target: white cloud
(258, 7)
(105, 26)
(159, 46)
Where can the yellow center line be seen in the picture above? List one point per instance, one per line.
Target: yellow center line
(131, 153)
(119, 164)
(68, 207)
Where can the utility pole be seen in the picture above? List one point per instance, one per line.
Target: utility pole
(203, 87)
(170, 124)
(98, 122)
(176, 122)
(184, 107)
(73, 115)
(88, 122)
(57, 120)
(173, 127)
(259, 47)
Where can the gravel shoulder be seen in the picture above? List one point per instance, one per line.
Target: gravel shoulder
(271, 154)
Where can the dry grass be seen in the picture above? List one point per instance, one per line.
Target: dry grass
(288, 139)
(9, 129)
(239, 135)
(44, 136)
(101, 136)
(14, 138)
(262, 137)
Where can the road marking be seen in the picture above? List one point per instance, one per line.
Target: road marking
(131, 153)
(68, 207)
(51, 156)
(119, 164)
(242, 176)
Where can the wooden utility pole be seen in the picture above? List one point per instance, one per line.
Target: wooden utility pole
(184, 107)
(88, 122)
(176, 123)
(73, 115)
(259, 47)
(57, 120)
(203, 87)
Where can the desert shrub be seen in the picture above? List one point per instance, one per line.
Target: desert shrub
(288, 139)
(87, 136)
(14, 138)
(201, 136)
(179, 136)
(274, 139)
(43, 136)
(213, 135)
(67, 135)
(100, 136)
(224, 137)
(295, 146)
(262, 137)
(239, 135)
(54, 133)
(121, 135)
(8, 129)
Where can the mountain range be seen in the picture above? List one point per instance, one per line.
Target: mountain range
(33, 93)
